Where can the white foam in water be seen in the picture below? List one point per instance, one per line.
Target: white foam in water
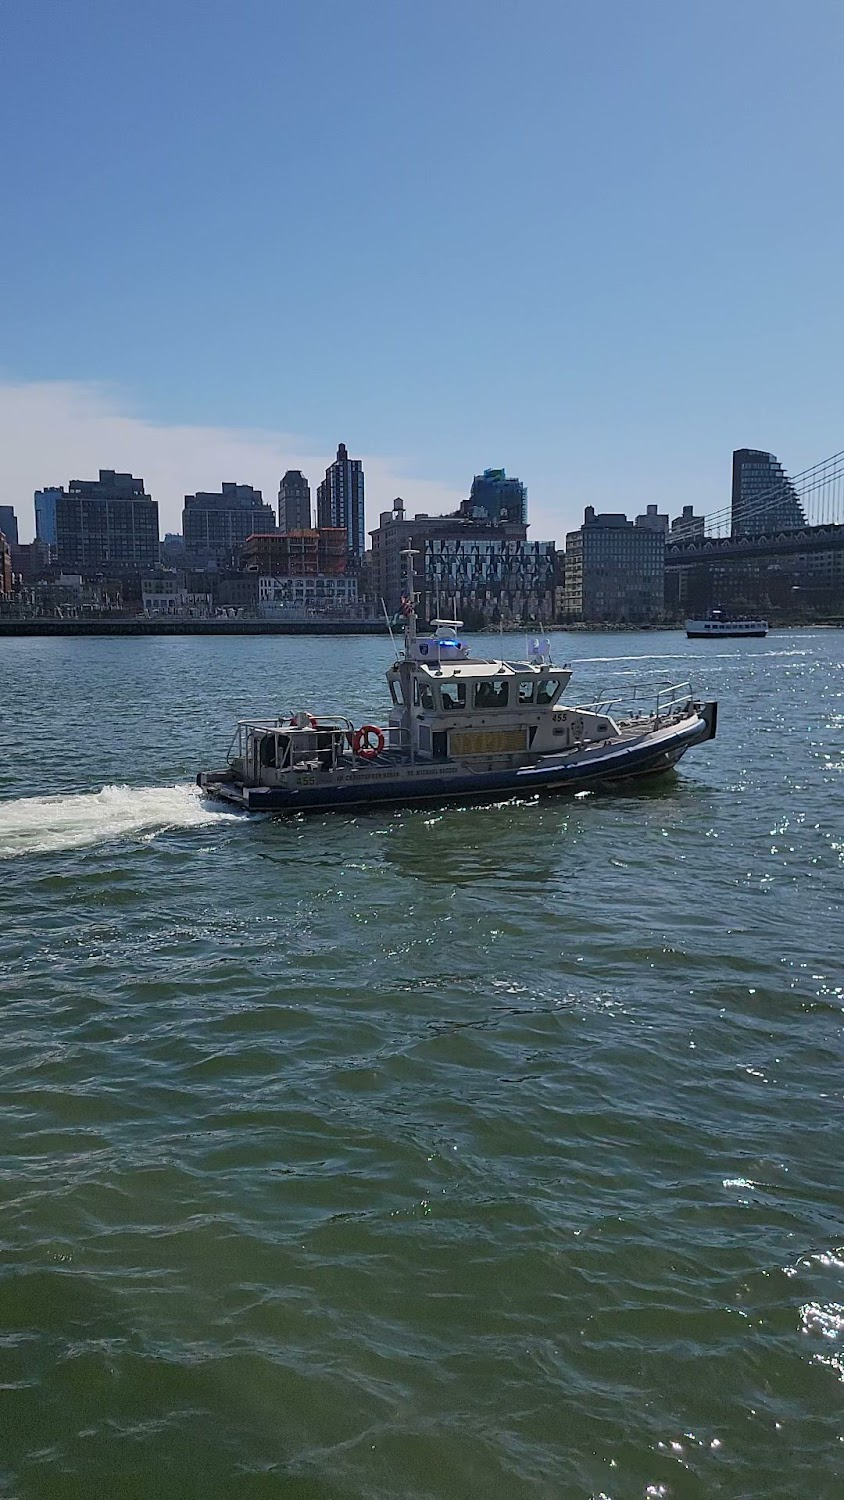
(47, 825)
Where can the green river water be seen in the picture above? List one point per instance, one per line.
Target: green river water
(475, 1152)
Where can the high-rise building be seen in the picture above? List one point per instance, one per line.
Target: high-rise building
(340, 502)
(688, 527)
(653, 521)
(496, 498)
(106, 523)
(764, 499)
(9, 524)
(294, 502)
(480, 571)
(216, 523)
(614, 570)
(46, 501)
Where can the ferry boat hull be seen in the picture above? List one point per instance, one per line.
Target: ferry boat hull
(391, 780)
(724, 635)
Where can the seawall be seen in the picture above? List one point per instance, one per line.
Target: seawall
(49, 626)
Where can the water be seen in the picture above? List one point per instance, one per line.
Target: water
(469, 1153)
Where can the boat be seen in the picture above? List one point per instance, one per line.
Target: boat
(459, 728)
(719, 624)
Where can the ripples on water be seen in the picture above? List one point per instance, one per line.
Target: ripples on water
(477, 1152)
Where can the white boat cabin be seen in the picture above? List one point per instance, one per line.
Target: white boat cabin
(447, 705)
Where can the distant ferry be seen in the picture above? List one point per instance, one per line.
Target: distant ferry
(719, 623)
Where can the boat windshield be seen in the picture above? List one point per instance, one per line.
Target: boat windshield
(453, 695)
(490, 694)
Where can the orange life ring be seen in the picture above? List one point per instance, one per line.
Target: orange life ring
(361, 745)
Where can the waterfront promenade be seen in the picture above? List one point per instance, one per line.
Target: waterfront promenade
(52, 625)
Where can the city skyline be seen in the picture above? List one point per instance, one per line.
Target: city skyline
(93, 532)
(171, 457)
(585, 286)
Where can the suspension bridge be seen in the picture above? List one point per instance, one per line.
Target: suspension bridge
(814, 497)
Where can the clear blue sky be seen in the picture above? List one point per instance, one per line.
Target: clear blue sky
(598, 243)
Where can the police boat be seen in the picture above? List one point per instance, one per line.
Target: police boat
(459, 728)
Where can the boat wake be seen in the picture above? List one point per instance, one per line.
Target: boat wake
(48, 825)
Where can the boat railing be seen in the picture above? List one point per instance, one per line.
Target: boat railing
(336, 724)
(659, 702)
(329, 735)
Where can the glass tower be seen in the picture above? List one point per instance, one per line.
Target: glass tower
(764, 499)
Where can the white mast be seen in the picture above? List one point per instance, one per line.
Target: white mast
(409, 606)
(405, 669)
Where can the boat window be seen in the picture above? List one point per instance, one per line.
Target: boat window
(490, 695)
(423, 694)
(396, 692)
(547, 690)
(453, 695)
(527, 688)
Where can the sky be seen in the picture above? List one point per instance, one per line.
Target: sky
(597, 244)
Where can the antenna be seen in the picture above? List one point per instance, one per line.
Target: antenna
(390, 628)
(436, 617)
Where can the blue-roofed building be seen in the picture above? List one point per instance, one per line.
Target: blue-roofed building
(496, 497)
